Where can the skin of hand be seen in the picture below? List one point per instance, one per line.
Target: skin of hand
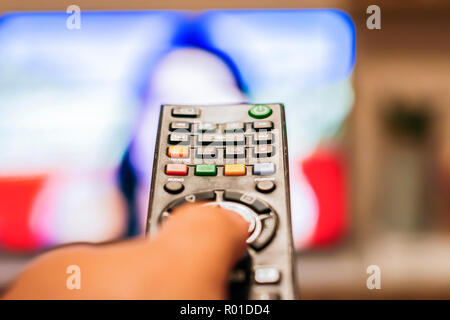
(190, 258)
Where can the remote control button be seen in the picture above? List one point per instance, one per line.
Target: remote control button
(176, 169)
(174, 187)
(267, 232)
(263, 138)
(257, 205)
(178, 152)
(260, 111)
(263, 151)
(210, 139)
(206, 127)
(201, 196)
(235, 152)
(179, 138)
(206, 153)
(234, 126)
(267, 275)
(234, 170)
(236, 138)
(180, 125)
(265, 186)
(205, 170)
(263, 125)
(263, 169)
(220, 139)
(233, 196)
(185, 112)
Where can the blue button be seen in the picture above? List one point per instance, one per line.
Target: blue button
(263, 169)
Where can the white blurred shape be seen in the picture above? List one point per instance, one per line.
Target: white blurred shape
(304, 206)
(77, 207)
(184, 76)
(194, 76)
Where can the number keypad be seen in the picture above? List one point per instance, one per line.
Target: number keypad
(248, 142)
(235, 157)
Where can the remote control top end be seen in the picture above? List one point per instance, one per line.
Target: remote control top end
(233, 156)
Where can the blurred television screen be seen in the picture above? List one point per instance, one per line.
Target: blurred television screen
(79, 112)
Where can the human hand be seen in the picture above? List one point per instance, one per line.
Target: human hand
(190, 258)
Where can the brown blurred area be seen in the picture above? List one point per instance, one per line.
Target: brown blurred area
(398, 140)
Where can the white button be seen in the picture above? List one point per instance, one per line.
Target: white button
(267, 275)
(263, 169)
(254, 224)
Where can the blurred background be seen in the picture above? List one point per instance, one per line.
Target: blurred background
(368, 125)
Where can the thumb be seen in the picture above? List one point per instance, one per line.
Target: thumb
(206, 241)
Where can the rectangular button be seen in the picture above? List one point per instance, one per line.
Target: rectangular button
(206, 127)
(262, 151)
(263, 138)
(176, 169)
(248, 199)
(234, 126)
(178, 152)
(267, 275)
(234, 170)
(180, 125)
(188, 112)
(263, 169)
(263, 125)
(179, 138)
(236, 138)
(205, 170)
(235, 152)
(206, 153)
(210, 139)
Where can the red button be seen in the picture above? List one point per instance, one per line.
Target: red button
(177, 169)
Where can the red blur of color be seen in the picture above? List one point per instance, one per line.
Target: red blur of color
(326, 172)
(17, 196)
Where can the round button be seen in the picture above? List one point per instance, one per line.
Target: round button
(265, 186)
(174, 187)
(254, 224)
(260, 111)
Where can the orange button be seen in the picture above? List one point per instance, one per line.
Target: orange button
(177, 169)
(234, 170)
(178, 152)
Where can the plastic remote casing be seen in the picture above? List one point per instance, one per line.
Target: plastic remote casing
(260, 192)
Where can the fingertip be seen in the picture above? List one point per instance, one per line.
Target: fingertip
(238, 222)
(241, 224)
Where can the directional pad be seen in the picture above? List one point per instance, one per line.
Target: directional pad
(261, 218)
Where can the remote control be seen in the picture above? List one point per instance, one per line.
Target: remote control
(233, 156)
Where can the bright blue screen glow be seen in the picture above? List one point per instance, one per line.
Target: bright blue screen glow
(79, 106)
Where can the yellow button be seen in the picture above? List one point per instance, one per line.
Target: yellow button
(178, 152)
(234, 170)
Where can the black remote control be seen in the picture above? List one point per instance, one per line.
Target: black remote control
(234, 156)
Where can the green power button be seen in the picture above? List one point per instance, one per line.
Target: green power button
(260, 111)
